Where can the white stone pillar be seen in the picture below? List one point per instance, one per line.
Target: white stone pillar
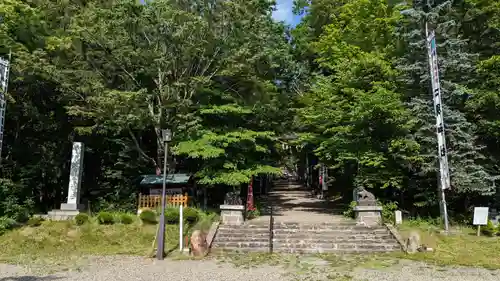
(75, 179)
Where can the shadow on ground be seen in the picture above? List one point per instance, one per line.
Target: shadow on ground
(30, 278)
(297, 198)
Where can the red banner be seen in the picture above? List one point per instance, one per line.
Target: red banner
(250, 205)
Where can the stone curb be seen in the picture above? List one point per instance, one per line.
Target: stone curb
(397, 236)
(211, 234)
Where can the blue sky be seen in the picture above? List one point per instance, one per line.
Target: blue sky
(284, 12)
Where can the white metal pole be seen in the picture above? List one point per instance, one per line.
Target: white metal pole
(181, 225)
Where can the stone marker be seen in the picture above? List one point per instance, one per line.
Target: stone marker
(75, 179)
(413, 243)
(398, 217)
(199, 246)
(72, 207)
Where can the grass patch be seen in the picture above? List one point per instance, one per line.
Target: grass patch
(60, 244)
(461, 247)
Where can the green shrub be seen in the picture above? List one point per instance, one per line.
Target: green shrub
(35, 221)
(148, 217)
(350, 210)
(190, 215)
(253, 214)
(105, 218)
(489, 229)
(388, 210)
(126, 219)
(172, 215)
(81, 219)
(6, 224)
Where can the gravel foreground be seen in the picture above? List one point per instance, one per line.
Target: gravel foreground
(137, 268)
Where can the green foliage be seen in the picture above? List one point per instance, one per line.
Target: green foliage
(489, 229)
(6, 224)
(349, 213)
(35, 221)
(126, 218)
(172, 215)
(105, 218)
(388, 210)
(81, 219)
(14, 203)
(190, 215)
(231, 82)
(252, 214)
(148, 217)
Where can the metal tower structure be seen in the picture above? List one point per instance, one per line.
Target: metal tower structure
(4, 81)
(444, 171)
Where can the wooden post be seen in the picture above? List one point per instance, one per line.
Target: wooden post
(478, 230)
(139, 203)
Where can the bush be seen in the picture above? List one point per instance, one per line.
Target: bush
(489, 229)
(253, 214)
(350, 210)
(105, 218)
(126, 219)
(172, 216)
(15, 201)
(148, 217)
(81, 219)
(35, 221)
(388, 210)
(6, 224)
(191, 215)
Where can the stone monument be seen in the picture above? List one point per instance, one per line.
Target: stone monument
(398, 217)
(367, 212)
(199, 246)
(232, 210)
(72, 207)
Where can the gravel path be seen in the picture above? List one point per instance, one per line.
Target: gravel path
(416, 271)
(136, 268)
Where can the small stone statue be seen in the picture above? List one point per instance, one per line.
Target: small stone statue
(199, 246)
(413, 243)
(233, 198)
(366, 198)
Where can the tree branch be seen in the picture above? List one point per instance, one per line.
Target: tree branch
(138, 147)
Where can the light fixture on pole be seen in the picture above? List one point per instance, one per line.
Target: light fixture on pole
(166, 137)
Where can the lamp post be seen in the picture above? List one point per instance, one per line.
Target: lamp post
(166, 137)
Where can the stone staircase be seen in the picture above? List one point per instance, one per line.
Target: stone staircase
(303, 224)
(305, 238)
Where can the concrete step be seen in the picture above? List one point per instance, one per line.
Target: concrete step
(341, 224)
(298, 243)
(381, 249)
(265, 237)
(216, 251)
(323, 232)
(306, 244)
(310, 249)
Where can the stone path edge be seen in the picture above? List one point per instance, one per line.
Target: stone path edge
(394, 232)
(211, 234)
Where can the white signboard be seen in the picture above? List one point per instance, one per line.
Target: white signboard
(480, 216)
